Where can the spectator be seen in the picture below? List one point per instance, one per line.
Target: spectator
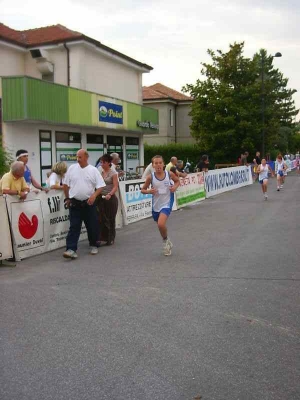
(244, 157)
(180, 166)
(172, 163)
(203, 164)
(115, 164)
(172, 166)
(82, 185)
(57, 175)
(22, 155)
(13, 182)
(257, 159)
(148, 171)
(256, 162)
(108, 203)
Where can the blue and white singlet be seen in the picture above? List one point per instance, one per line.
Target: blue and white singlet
(163, 198)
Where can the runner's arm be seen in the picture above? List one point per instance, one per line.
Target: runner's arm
(145, 189)
(176, 180)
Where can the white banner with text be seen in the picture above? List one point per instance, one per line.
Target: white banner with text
(225, 179)
(136, 205)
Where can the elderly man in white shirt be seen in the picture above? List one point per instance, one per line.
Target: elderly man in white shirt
(82, 185)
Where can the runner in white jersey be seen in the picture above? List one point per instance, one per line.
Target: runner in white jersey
(163, 185)
(263, 174)
(281, 167)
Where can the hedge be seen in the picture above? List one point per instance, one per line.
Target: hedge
(183, 151)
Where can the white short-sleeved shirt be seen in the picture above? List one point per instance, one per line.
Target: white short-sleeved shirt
(54, 179)
(148, 171)
(83, 181)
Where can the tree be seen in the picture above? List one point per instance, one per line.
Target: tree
(227, 108)
(5, 160)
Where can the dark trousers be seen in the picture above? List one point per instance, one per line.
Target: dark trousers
(87, 214)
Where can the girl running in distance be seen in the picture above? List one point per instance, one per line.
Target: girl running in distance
(263, 174)
(163, 185)
(281, 167)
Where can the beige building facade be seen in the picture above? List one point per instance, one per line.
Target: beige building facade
(174, 119)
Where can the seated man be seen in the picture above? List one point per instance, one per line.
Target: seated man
(13, 182)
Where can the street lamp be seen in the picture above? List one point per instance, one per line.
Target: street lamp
(263, 97)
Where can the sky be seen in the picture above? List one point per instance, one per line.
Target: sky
(171, 35)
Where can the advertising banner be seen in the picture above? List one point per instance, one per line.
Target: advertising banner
(40, 223)
(136, 206)
(110, 112)
(191, 190)
(225, 179)
(5, 243)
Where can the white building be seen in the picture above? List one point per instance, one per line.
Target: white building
(54, 82)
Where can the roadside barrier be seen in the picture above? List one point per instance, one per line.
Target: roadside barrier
(41, 222)
(6, 250)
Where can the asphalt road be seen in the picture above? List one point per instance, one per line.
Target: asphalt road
(219, 319)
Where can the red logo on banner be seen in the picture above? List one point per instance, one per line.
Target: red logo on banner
(28, 228)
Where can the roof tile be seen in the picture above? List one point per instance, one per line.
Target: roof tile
(38, 36)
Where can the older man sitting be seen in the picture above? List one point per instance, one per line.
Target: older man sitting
(13, 182)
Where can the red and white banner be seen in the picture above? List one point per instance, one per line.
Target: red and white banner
(191, 190)
(40, 223)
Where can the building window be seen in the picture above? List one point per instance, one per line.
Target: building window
(67, 145)
(171, 117)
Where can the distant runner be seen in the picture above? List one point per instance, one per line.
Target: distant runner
(263, 175)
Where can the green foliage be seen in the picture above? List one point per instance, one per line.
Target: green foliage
(191, 152)
(227, 112)
(5, 160)
(181, 151)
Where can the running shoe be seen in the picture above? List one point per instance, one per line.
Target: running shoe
(266, 197)
(94, 250)
(281, 186)
(278, 190)
(70, 254)
(168, 247)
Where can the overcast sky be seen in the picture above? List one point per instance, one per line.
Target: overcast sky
(171, 35)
